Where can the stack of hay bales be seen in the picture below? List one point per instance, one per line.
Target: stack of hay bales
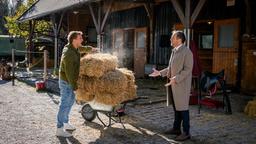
(102, 81)
(250, 108)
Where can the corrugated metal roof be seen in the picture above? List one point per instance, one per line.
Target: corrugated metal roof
(45, 7)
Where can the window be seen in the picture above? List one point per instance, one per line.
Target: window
(141, 36)
(206, 41)
(226, 39)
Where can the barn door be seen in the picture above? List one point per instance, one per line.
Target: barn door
(123, 47)
(225, 51)
(140, 51)
(118, 45)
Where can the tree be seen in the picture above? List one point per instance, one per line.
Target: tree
(3, 12)
(22, 29)
(13, 5)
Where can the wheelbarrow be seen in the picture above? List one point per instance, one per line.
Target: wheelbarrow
(91, 110)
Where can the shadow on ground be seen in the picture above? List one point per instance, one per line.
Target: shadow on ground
(130, 134)
(3, 82)
(70, 140)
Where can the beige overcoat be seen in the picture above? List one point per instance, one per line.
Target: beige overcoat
(180, 68)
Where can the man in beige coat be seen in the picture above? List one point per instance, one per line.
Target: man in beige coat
(179, 73)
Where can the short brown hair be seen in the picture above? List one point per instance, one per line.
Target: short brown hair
(73, 35)
(179, 35)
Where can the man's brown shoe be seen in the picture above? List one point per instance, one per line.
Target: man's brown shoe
(182, 137)
(173, 132)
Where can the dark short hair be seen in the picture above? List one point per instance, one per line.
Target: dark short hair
(73, 35)
(180, 35)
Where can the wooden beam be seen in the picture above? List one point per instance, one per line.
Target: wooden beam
(187, 14)
(197, 10)
(53, 19)
(106, 15)
(148, 9)
(60, 22)
(179, 11)
(55, 29)
(99, 16)
(94, 18)
(29, 50)
(248, 18)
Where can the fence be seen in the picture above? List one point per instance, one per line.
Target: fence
(44, 58)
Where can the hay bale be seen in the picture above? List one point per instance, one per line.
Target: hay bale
(84, 96)
(250, 108)
(88, 84)
(112, 82)
(130, 92)
(114, 99)
(129, 74)
(96, 65)
(112, 88)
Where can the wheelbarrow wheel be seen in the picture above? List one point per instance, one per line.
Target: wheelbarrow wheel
(88, 113)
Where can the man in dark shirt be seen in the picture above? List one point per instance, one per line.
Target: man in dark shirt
(69, 71)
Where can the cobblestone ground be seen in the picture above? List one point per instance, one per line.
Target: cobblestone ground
(28, 117)
(211, 126)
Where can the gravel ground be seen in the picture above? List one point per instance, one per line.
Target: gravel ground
(29, 117)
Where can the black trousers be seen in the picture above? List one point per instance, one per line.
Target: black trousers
(179, 116)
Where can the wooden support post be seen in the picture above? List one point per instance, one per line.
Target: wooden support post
(106, 15)
(151, 15)
(187, 21)
(179, 11)
(30, 39)
(248, 17)
(148, 9)
(94, 18)
(55, 29)
(99, 22)
(197, 10)
(187, 14)
(188, 37)
(55, 49)
(60, 22)
(13, 66)
(45, 65)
